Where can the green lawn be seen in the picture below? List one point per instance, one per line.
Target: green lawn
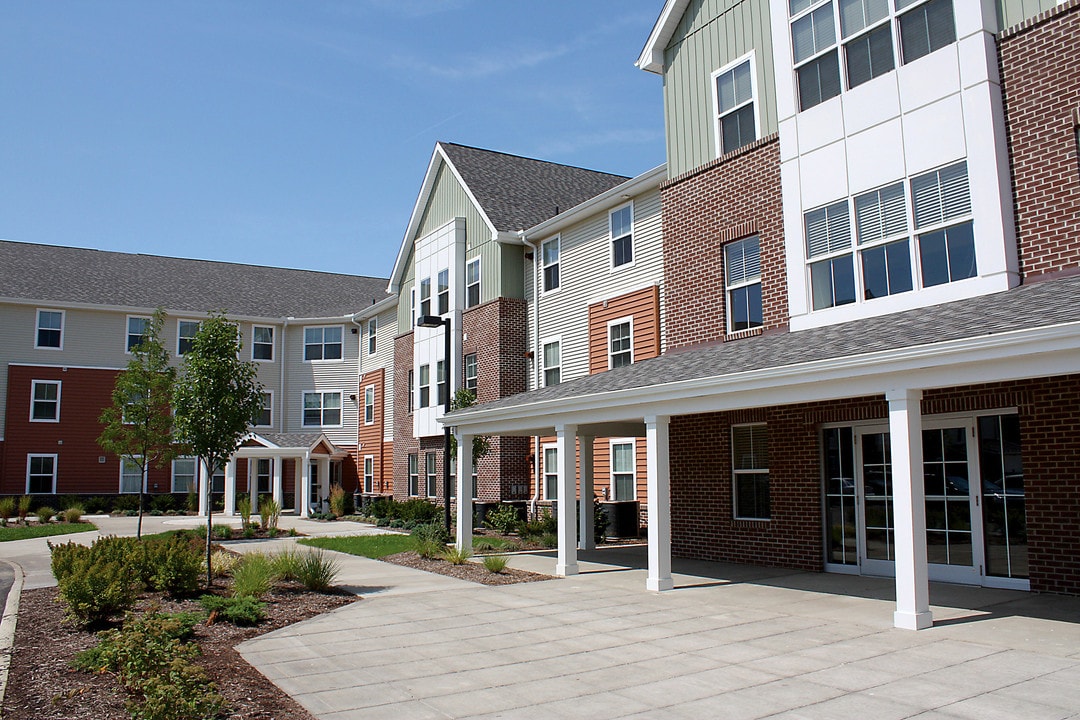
(372, 546)
(25, 532)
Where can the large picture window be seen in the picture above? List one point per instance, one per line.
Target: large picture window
(742, 274)
(750, 470)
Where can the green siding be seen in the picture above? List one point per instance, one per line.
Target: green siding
(404, 320)
(711, 34)
(1014, 12)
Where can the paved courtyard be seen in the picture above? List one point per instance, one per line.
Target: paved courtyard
(730, 642)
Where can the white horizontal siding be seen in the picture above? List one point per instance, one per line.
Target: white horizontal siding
(322, 376)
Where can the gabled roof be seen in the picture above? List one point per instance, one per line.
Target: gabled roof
(291, 441)
(49, 273)
(652, 55)
(511, 192)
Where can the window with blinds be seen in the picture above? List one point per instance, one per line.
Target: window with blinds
(736, 123)
(750, 471)
(832, 278)
(925, 28)
(941, 202)
(742, 270)
(552, 363)
(817, 65)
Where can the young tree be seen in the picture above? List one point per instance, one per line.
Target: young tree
(481, 444)
(139, 423)
(216, 397)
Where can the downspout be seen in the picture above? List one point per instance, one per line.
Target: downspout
(359, 410)
(536, 364)
(284, 360)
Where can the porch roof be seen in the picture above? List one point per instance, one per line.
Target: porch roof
(280, 443)
(1030, 331)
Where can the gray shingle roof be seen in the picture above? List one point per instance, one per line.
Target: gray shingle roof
(291, 440)
(49, 273)
(518, 192)
(1036, 305)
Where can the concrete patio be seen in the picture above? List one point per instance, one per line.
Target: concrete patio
(730, 641)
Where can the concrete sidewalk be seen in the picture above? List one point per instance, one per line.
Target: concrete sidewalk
(730, 641)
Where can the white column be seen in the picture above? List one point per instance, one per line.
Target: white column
(204, 485)
(279, 485)
(464, 499)
(253, 483)
(230, 486)
(566, 436)
(658, 483)
(324, 483)
(909, 510)
(586, 536)
(303, 485)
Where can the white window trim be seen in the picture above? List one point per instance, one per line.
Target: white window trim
(612, 323)
(479, 282)
(369, 389)
(33, 388)
(127, 329)
(729, 287)
(271, 394)
(439, 292)
(632, 442)
(55, 471)
(37, 327)
(543, 454)
(364, 479)
(372, 336)
(612, 267)
(142, 479)
(757, 471)
(543, 358)
(323, 343)
(420, 387)
(273, 344)
(178, 338)
(543, 267)
(411, 474)
(194, 477)
(718, 141)
(465, 368)
(420, 295)
(322, 407)
(430, 484)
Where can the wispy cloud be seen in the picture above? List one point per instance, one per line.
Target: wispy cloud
(477, 66)
(573, 143)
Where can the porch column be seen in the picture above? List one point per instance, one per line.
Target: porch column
(566, 447)
(586, 535)
(324, 484)
(253, 483)
(658, 484)
(464, 499)
(303, 485)
(230, 486)
(909, 510)
(204, 483)
(279, 485)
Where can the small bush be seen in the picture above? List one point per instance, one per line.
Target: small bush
(431, 531)
(454, 556)
(244, 610)
(222, 563)
(222, 532)
(63, 558)
(417, 510)
(546, 524)
(45, 514)
(243, 508)
(317, 570)
(126, 503)
(192, 500)
(249, 532)
(7, 509)
(73, 514)
(182, 691)
(269, 512)
(549, 540)
(24, 508)
(98, 505)
(253, 576)
(162, 504)
(341, 503)
(380, 509)
(96, 589)
(176, 564)
(503, 519)
(293, 533)
(287, 564)
(430, 548)
(271, 532)
(495, 563)
(68, 501)
(494, 545)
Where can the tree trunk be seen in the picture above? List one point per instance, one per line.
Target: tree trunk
(209, 521)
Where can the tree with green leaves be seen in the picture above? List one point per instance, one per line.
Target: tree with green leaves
(139, 423)
(215, 399)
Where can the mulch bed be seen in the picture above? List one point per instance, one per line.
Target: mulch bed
(471, 571)
(43, 686)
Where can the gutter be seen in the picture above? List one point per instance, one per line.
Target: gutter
(536, 365)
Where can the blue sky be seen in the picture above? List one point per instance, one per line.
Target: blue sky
(296, 134)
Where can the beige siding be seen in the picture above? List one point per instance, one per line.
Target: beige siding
(322, 376)
(712, 33)
(1014, 12)
(383, 358)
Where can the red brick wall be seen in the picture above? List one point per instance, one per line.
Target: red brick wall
(732, 197)
(1040, 78)
(404, 442)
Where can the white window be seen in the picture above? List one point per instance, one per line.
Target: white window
(414, 475)
(131, 476)
(750, 471)
(425, 386)
(41, 474)
(620, 342)
(623, 470)
(322, 343)
(265, 416)
(472, 283)
(369, 473)
(469, 362)
(432, 474)
(184, 474)
(736, 119)
(45, 401)
(136, 331)
(923, 29)
(372, 330)
(441, 380)
(322, 409)
(942, 211)
(412, 391)
(369, 404)
(50, 330)
(425, 296)
(549, 252)
(621, 223)
(742, 275)
(817, 64)
(828, 249)
(185, 334)
(881, 229)
(552, 362)
(444, 291)
(262, 475)
(262, 343)
(868, 43)
(551, 472)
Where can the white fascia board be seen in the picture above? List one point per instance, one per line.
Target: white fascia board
(618, 195)
(999, 357)
(652, 55)
(508, 238)
(372, 310)
(130, 309)
(68, 366)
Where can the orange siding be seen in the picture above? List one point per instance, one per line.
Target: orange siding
(644, 306)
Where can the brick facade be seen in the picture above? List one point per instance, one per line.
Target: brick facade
(1041, 88)
(734, 196)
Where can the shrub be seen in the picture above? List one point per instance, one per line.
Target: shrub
(73, 514)
(222, 562)
(495, 563)
(549, 540)
(126, 503)
(243, 610)
(96, 589)
(222, 532)
(175, 564)
(417, 510)
(249, 532)
(162, 504)
(494, 545)
(24, 508)
(45, 514)
(341, 503)
(253, 576)
(269, 512)
(271, 532)
(546, 524)
(68, 501)
(98, 505)
(243, 508)
(431, 531)
(192, 500)
(317, 570)
(293, 533)
(63, 557)
(7, 509)
(380, 509)
(503, 519)
(287, 564)
(454, 556)
(181, 692)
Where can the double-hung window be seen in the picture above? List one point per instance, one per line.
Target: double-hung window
(750, 470)
(881, 229)
(552, 363)
(551, 472)
(444, 291)
(41, 474)
(736, 121)
(262, 475)
(622, 236)
(549, 251)
(412, 390)
(942, 208)
(50, 330)
(472, 283)
(425, 386)
(262, 343)
(265, 416)
(45, 401)
(813, 43)
(186, 330)
(136, 331)
(369, 404)
(868, 43)
(742, 271)
(441, 380)
(322, 343)
(425, 296)
(926, 27)
(322, 409)
(623, 472)
(369, 473)
(432, 474)
(414, 475)
(183, 474)
(131, 476)
(620, 343)
(469, 363)
(828, 247)
(372, 330)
